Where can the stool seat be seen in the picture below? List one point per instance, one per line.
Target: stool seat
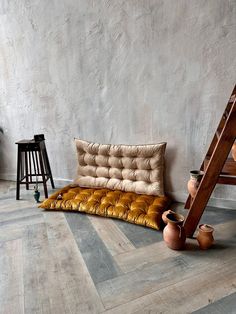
(32, 165)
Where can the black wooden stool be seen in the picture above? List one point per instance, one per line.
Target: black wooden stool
(32, 164)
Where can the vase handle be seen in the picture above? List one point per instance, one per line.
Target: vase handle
(180, 231)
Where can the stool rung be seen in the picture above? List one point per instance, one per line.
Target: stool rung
(33, 182)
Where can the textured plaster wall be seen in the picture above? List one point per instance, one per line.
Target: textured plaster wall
(131, 71)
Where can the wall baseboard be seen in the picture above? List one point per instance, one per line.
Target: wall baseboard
(176, 196)
(214, 202)
(59, 182)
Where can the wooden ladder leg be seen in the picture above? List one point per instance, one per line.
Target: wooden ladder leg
(188, 202)
(211, 175)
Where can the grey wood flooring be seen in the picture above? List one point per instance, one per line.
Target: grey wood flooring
(55, 262)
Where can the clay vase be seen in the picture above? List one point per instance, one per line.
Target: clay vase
(174, 233)
(205, 236)
(194, 181)
(233, 151)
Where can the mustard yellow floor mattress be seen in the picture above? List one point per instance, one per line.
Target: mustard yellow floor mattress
(139, 209)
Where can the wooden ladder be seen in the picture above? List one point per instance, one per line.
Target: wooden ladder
(216, 166)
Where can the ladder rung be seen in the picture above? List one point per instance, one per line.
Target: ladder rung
(232, 99)
(227, 180)
(227, 110)
(225, 115)
(228, 169)
(218, 132)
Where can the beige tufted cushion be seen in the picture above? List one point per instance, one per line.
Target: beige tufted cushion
(133, 168)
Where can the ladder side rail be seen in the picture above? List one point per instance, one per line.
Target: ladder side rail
(214, 140)
(221, 124)
(212, 173)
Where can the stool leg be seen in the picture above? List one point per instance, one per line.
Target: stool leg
(43, 174)
(26, 171)
(45, 155)
(18, 173)
(49, 170)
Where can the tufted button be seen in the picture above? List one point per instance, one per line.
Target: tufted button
(115, 162)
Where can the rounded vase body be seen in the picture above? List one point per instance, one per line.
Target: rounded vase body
(174, 233)
(194, 181)
(205, 236)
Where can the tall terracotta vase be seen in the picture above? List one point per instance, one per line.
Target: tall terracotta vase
(205, 236)
(233, 151)
(194, 181)
(174, 233)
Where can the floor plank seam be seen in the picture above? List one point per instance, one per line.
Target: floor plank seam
(200, 271)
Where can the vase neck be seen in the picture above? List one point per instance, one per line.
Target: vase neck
(175, 223)
(196, 175)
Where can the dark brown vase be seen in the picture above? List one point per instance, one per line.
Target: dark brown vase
(205, 236)
(174, 233)
(194, 181)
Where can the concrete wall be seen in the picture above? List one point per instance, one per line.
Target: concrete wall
(130, 71)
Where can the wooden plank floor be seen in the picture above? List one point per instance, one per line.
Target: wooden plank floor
(55, 262)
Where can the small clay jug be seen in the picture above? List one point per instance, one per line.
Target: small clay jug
(174, 233)
(205, 236)
(233, 151)
(194, 181)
